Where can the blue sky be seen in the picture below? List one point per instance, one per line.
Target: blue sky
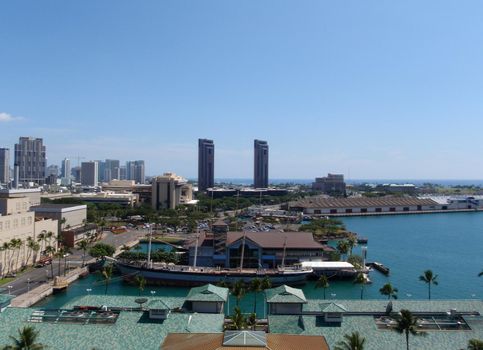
(371, 89)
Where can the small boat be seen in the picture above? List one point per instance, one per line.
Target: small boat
(380, 267)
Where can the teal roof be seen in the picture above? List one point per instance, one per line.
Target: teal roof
(122, 301)
(132, 331)
(332, 307)
(5, 298)
(157, 304)
(208, 292)
(285, 295)
(377, 339)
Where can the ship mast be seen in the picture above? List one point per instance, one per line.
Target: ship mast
(149, 245)
(284, 252)
(196, 248)
(243, 251)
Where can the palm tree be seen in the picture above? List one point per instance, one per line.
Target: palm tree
(30, 247)
(362, 280)
(266, 283)
(238, 319)
(352, 341)
(429, 278)
(83, 245)
(322, 282)
(351, 242)
(27, 337)
(107, 274)
(125, 248)
(2, 266)
(407, 324)
(238, 291)
(41, 238)
(343, 247)
(50, 251)
(389, 290)
(59, 255)
(475, 344)
(67, 251)
(141, 282)
(48, 236)
(255, 287)
(16, 245)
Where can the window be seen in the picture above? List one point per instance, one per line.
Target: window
(29, 221)
(317, 211)
(22, 221)
(392, 209)
(363, 210)
(378, 210)
(1, 226)
(7, 225)
(348, 211)
(15, 223)
(333, 211)
(406, 208)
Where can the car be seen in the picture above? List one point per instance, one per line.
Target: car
(11, 275)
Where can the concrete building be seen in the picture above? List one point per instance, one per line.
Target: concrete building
(52, 170)
(89, 173)
(71, 219)
(143, 191)
(260, 177)
(363, 205)
(66, 168)
(135, 171)
(17, 225)
(32, 194)
(112, 170)
(30, 157)
(169, 191)
(332, 184)
(4, 166)
(206, 164)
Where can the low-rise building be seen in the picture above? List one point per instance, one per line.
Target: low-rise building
(71, 219)
(207, 299)
(285, 300)
(18, 226)
(169, 191)
(332, 184)
(261, 249)
(363, 205)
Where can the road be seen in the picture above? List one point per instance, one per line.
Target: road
(36, 276)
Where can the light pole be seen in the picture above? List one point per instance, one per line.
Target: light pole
(47, 273)
(9, 289)
(28, 284)
(88, 290)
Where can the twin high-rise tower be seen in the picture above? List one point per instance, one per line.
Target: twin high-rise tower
(206, 164)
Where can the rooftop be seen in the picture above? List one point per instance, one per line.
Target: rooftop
(285, 294)
(208, 292)
(57, 208)
(214, 341)
(327, 203)
(277, 239)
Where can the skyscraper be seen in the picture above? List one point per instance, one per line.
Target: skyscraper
(30, 159)
(260, 178)
(206, 164)
(135, 171)
(112, 170)
(4, 165)
(89, 173)
(66, 169)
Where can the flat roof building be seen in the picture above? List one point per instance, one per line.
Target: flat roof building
(30, 157)
(206, 164)
(169, 191)
(89, 173)
(260, 177)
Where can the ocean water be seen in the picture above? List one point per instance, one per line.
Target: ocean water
(442, 182)
(450, 244)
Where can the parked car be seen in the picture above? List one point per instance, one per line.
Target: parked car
(44, 261)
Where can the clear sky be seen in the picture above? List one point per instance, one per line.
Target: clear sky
(371, 89)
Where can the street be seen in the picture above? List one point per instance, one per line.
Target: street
(36, 276)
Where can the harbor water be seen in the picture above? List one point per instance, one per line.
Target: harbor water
(450, 244)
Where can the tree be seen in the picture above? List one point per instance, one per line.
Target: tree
(50, 251)
(389, 290)
(125, 248)
(27, 340)
(59, 254)
(238, 319)
(429, 278)
(343, 247)
(255, 287)
(83, 245)
(352, 341)
(100, 250)
(238, 291)
(41, 238)
(6, 248)
(475, 344)
(356, 260)
(141, 283)
(362, 280)
(351, 242)
(322, 282)
(407, 324)
(266, 283)
(107, 275)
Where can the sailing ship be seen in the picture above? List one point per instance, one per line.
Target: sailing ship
(184, 275)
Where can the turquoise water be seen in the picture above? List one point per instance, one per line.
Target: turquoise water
(143, 247)
(450, 244)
